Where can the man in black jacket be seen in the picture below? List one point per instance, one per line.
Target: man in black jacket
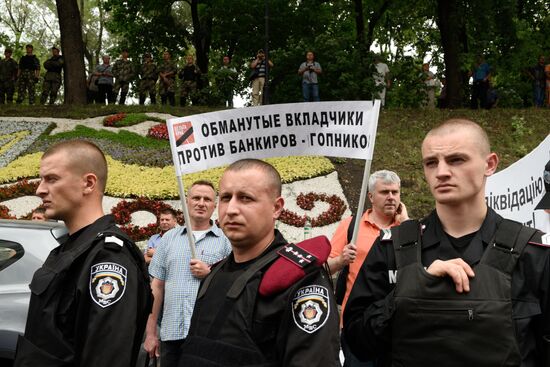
(27, 75)
(464, 287)
(91, 298)
(269, 303)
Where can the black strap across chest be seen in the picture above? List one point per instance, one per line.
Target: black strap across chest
(235, 291)
(502, 253)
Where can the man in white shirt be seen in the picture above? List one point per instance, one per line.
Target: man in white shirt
(381, 79)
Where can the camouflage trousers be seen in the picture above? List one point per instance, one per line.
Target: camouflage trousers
(50, 88)
(7, 89)
(167, 90)
(147, 86)
(167, 86)
(123, 87)
(188, 88)
(26, 82)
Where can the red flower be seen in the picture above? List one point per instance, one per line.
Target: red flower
(5, 213)
(159, 131)
(123, 215)
(336, 209)
(113, 119)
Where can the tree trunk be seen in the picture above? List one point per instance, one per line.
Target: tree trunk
(359, 22)
(449, 23)
(202, 30)
(73, 51)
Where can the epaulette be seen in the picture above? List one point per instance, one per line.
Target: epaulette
(111, 240)
(539, 244)
(544, 242)
(293, 263)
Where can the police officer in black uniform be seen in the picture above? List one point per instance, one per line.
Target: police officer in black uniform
(464, 287)
(269, 303)
(91, 298)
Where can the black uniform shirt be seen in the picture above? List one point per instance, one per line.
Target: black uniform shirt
(89, 304)
(277, 325)
(29, 62)
(8, 70)
(367, 319)
(189, 73)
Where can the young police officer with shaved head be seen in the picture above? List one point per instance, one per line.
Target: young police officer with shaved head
(91, 298)
(472, 288)
(269, 303)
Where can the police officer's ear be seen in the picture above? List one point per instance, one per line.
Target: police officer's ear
(491, 164)
(278, 207)
(90, 183)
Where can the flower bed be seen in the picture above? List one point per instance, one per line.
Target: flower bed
(336, 209)
(153, 178)
(15, 138)
(132, 180)
(159, 132)
(113, 120)
(123, 217)
(123, 119)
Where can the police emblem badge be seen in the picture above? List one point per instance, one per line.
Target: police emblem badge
(310, 308)
(107, 283)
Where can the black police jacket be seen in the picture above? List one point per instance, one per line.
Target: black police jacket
(296, 327)
(370, 309)
(89, 303)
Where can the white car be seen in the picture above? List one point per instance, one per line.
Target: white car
(24, 246)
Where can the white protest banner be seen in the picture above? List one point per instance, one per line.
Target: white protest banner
(515, 191)
(338, 129)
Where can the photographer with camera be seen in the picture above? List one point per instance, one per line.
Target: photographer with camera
(257, 76)
(309, 71)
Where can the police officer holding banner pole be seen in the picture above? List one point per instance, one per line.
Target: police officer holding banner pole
(462, 287)
(91, 298)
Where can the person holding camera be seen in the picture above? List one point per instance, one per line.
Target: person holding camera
(309, 70)
(258, 66)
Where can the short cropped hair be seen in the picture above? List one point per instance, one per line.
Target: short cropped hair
(272, 174)
(455, 124)
(84, 157)
(203, 183)
(39, 210)
(387, 177)
(168, 211)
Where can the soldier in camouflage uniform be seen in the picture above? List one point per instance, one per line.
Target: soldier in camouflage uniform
(189, 76)
(123, 71)
(52, 79)
(167, 74)
(29, 71)
(8, 76)
(147, 84)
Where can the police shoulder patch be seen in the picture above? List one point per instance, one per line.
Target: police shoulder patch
(310, 308)
(107, 283)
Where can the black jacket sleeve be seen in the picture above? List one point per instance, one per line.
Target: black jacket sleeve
(368, 312)
(305, 342)
(110, 329)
